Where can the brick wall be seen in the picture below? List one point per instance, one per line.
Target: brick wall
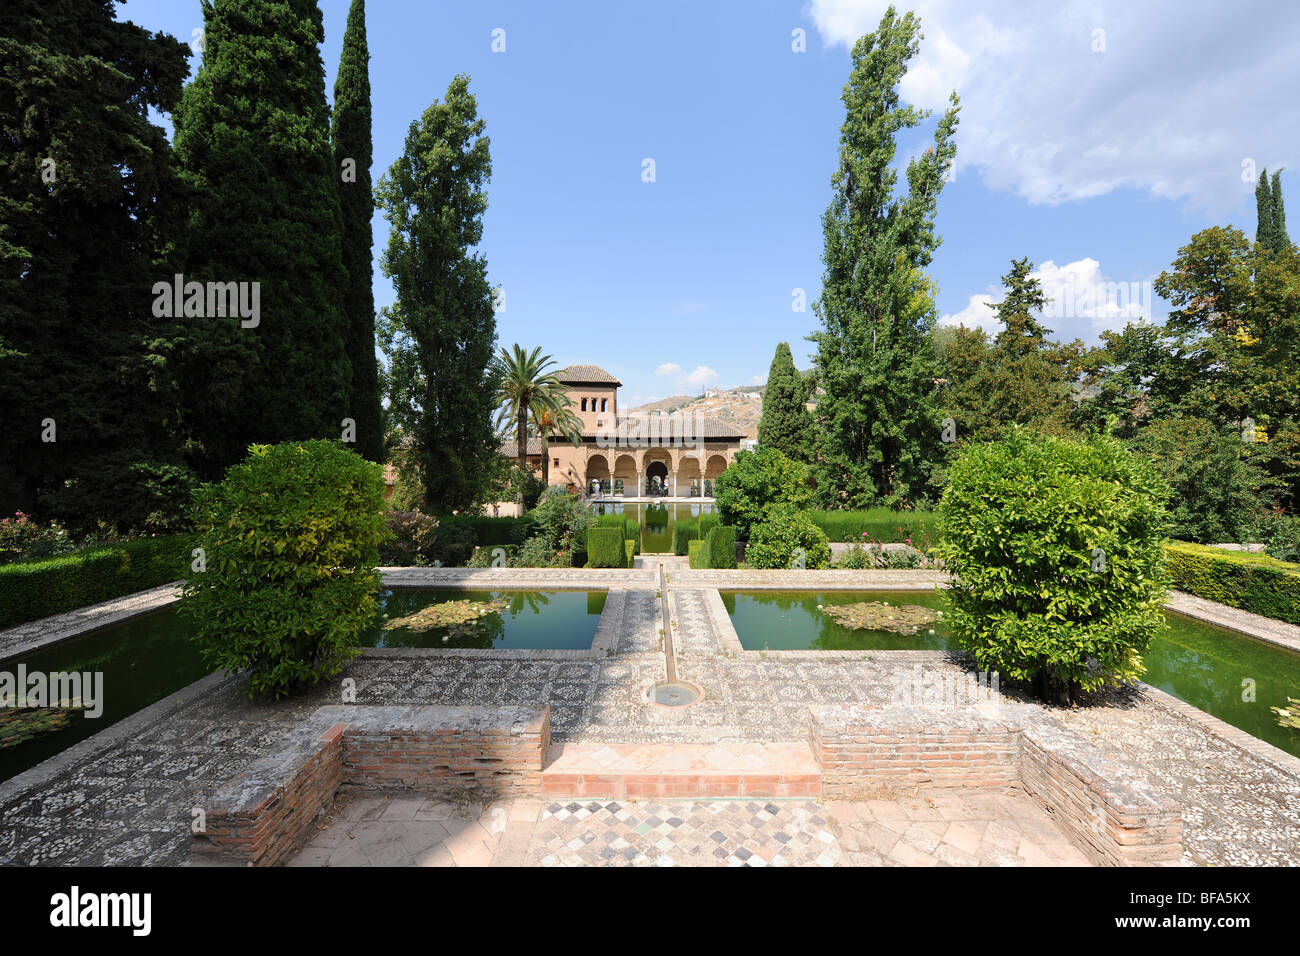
(1117, 817)
(267, 813)
(1112, 810)
(865, 750)
(430, 748)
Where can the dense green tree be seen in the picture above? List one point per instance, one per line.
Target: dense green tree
(353, 153)
(785, 422)
(1216, 485)
(1020, 377)
(758, 481)
(88, 206)
(1028, 380)
(440, 333)
(252, 137)
(878, 427)
(1228, 355)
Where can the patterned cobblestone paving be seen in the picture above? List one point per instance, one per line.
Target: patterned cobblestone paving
(127, 798)
(936, 828)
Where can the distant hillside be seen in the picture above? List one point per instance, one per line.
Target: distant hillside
(731, 406)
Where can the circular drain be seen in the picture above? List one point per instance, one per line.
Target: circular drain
(673, 695)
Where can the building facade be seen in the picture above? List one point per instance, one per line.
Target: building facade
(621, 455)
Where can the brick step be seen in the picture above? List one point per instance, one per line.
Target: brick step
(681, 770)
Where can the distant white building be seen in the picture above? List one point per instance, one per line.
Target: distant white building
(754, 395)
(712, 393)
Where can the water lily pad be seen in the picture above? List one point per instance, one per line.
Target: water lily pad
(453, 614)
(20, 724)
(1288, 716)
(881, 616)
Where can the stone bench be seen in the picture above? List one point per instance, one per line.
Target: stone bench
(266, 813)
(1113, 811)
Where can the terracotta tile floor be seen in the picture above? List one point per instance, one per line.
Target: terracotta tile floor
(936, 828)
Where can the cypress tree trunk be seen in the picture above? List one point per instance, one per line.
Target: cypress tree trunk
(352, 159)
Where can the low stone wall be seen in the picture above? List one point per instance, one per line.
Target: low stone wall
(433, 748)
(1115, 814)
(266, 814)
(862, 751)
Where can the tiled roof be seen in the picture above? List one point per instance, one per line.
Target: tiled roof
(510, 447)
(586, 375)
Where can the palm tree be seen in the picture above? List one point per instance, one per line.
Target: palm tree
(548, 421)
(528, 394)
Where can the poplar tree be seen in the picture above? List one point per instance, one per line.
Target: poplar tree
(879, 434)
(440, 333)
(353, 153)
(253, 140)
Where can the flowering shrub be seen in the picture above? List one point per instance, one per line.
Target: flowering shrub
(22, 539)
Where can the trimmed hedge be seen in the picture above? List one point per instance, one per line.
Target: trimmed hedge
(698, 552)
(721, 546)
(1251, 582)
(630, 545)
(627, 526)
(876, 524)
(708, 521)
(99, 573)
(606, 548)
(487, 531)
(684, 532)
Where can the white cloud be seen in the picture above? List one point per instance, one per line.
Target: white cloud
(702, 376)
(1184, 93)
(976, 314)
(1082, 302)
(668, 368)
(758, 380)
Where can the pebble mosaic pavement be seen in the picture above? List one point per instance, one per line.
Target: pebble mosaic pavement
(126, 797)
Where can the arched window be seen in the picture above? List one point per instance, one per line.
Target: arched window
(584, 404)
(604, 404)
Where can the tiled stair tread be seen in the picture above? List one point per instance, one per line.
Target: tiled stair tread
(729, 759)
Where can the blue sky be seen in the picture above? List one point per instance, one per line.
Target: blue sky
(1095, 140)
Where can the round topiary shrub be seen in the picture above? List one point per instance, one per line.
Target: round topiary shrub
(787, 539)
(290, 539)
(1055, 551)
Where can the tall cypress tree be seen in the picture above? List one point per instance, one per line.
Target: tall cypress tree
(784, 424)
(879, 433)
(440, 334)
(87, 201)
(352, 159)
(1270, 232)
(1280, 238)
(253, 138)
(1264, 232)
